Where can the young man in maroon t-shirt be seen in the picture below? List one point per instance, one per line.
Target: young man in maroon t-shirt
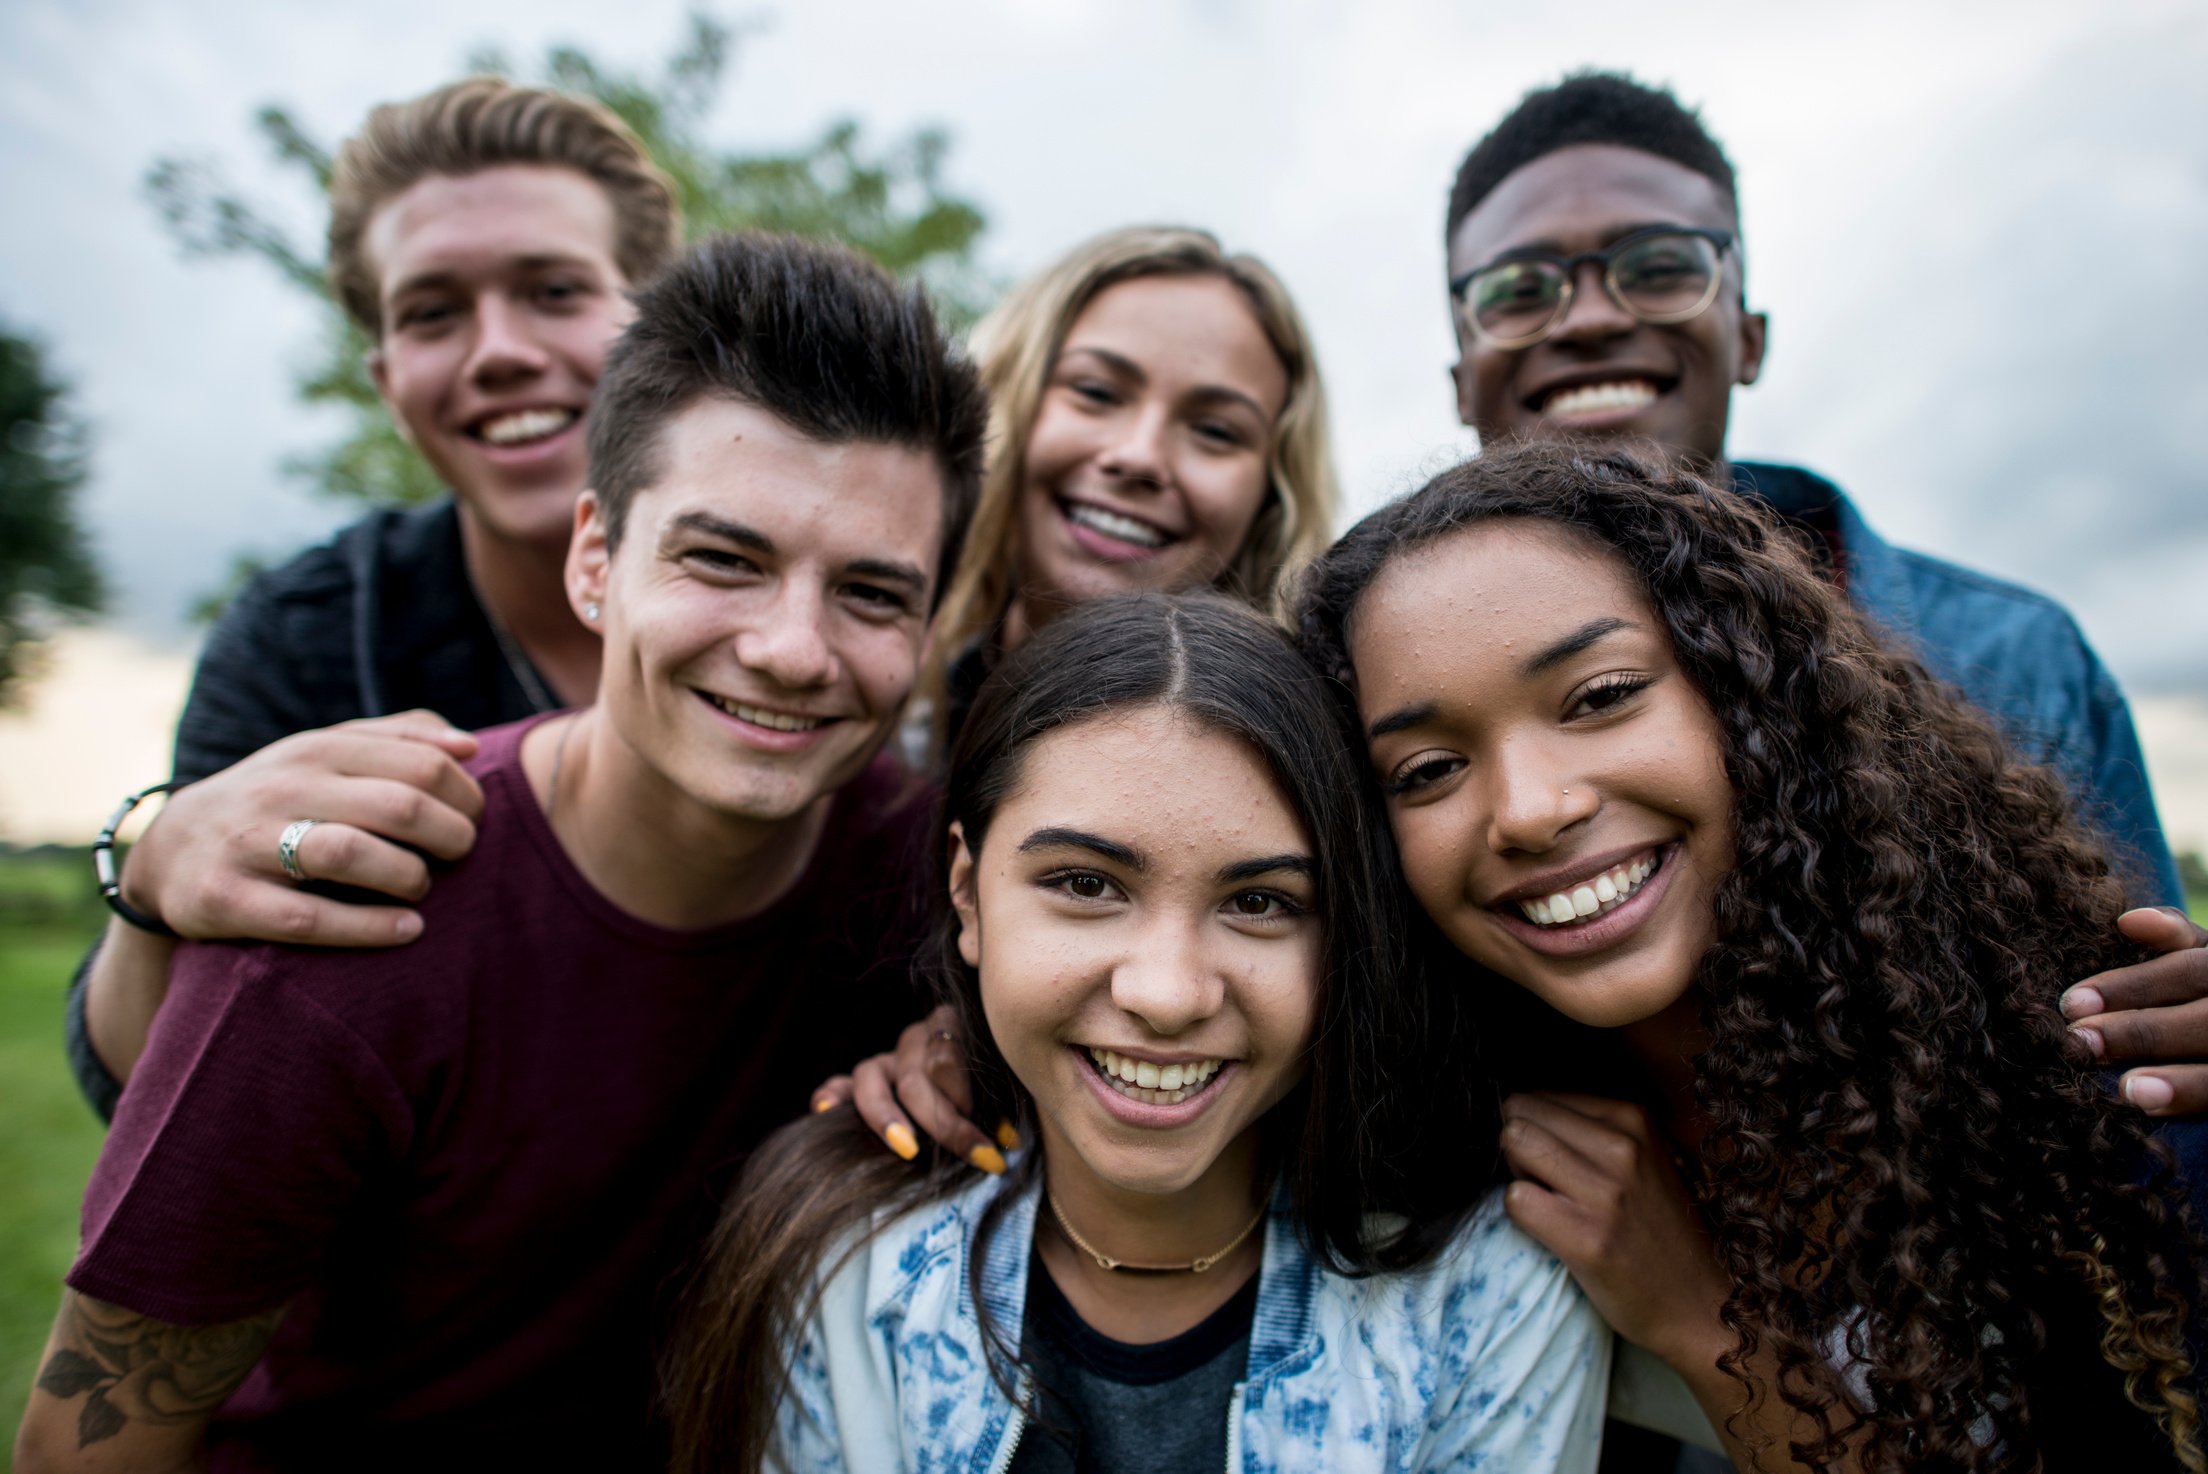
(417, 1209)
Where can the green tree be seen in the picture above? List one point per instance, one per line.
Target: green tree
(889, 202)
(46, 568)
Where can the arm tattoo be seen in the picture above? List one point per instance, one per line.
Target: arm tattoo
(137, 1369)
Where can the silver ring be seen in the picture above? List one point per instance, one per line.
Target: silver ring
(287, 848)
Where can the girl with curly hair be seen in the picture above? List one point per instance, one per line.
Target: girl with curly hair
(1788, 925)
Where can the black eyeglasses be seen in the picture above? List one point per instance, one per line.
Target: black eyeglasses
(1662, 275)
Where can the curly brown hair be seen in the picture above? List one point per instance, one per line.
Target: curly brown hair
(1901, 1158)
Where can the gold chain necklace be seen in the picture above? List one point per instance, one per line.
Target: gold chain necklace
(1106, 1261)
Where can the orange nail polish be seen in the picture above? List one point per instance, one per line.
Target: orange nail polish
(901, 1141)
(1008, 1136)
(988, 1159)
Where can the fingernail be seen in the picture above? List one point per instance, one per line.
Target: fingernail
(407, 926)
(823, 1103)
(2148, 1092)
(2091, 1039)
(1008, 1136)
(988, 1159)
(899, 1137)
(2082, 1002)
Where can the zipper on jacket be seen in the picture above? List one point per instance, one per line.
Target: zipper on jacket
(1012, 1432)
(1234, 1428)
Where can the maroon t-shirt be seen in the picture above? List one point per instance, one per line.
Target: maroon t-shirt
(475, 1166)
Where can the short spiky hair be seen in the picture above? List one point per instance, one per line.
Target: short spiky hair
(811, 332)
(1588, 107)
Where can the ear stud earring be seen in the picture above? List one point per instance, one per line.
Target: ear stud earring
(590, 615)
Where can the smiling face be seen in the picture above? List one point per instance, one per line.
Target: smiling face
(1556, 786)
(765, 608)
(499, 296)
(1602, 372)
(1143, 918)
(1147, 460)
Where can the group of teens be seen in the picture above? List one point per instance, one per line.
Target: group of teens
(1606, 964)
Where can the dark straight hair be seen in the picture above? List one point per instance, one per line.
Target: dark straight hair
(809, 331)
(1901, 1158)
(1348, 1142)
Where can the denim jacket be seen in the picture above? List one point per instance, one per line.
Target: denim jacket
(2015, 653)
(1487, 1358)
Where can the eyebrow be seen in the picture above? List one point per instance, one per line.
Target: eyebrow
(1242, 870)
(722, 528)
(1550, 246)
(1057, 838)
(1419, 713)
(443, 277)
(1401, 717)
(1121, 364)
(1578, 640)
(888, 570)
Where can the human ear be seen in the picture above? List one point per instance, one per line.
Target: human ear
(588, 557)
(1755, 331)
(1460, 375)
(379, 371)
(962, 897)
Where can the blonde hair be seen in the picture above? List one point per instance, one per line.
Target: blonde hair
(482, 123)
(1016, 347)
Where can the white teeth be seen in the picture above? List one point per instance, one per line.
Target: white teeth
(1590, 399)
(1606, 892)
(1111, 524)
(761, 717)
(1154, 1084)
(528, 424)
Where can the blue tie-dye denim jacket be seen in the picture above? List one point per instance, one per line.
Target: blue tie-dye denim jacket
(1488, 1358)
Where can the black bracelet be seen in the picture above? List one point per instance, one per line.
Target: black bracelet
(103, 863)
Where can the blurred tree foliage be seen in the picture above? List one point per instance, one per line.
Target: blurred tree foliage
(889, 202)
(46, 568)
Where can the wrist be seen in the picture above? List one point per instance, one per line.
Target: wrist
(128, 902)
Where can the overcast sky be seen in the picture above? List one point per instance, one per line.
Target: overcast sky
(1979, 230)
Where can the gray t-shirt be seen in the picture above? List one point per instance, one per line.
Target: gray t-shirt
(1106, 1407)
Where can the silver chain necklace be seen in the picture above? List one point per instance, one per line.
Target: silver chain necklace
(540, 700)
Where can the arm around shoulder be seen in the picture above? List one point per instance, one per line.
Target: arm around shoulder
(1525, 1351)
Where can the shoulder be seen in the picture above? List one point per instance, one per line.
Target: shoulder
(387, 537)
(894, 1259)
(1491, 1275)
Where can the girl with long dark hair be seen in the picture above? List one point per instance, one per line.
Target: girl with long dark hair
(1788, 925)
(1174, 935)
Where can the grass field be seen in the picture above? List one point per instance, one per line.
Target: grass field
(48, 1136)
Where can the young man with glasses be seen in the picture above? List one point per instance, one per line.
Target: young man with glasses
(1597, 275)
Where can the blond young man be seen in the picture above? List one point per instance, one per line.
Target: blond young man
(485, 237)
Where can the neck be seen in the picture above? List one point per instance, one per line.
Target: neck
(651, 848)
(522, 585)
(1666, 1045)
(1150, 1228)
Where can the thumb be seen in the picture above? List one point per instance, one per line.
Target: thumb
(2164, 928)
